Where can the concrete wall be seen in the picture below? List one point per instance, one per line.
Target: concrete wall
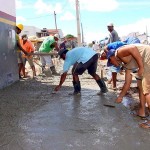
(8, 59)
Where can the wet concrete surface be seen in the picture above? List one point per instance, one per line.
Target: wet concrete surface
(32, 118)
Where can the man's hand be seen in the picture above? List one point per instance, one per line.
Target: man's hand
(126, 86)
(119, 99)
(62, 79)
(140, 72)
(57, 88)
(26, 53)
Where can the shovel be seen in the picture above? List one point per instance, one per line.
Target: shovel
(46, 71)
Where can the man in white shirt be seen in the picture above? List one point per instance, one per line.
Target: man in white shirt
(95, 47)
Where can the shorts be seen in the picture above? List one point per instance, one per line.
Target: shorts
(115, 69)
(90, 65)
(19, 57)
(46, 60)
(146, 83)
(30, 61)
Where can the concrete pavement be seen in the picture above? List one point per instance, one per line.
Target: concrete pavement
(31, 118)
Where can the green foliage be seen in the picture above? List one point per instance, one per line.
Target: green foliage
(69, 36)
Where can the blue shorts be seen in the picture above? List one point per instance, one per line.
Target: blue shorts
(115, 69)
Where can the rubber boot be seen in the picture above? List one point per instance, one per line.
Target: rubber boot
(102, 86)
(54, 71)
(77, 88)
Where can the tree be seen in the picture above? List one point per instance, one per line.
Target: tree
(69, 36)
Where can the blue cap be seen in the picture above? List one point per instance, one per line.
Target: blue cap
(115, 45)
(109, 54)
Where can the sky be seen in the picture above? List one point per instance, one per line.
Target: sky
(126, 15)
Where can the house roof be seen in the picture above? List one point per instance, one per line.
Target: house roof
(53, 31)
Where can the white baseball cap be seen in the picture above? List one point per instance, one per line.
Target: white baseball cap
(110, 25)
(57, 36)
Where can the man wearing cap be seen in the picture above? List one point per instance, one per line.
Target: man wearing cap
(81, 58)
(19, 28)
(134, 56)
(63, 44)
(114, 69)
(113, 37)
(47, 46)
(28, 46)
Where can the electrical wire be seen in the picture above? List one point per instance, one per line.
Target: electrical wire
(39, 17)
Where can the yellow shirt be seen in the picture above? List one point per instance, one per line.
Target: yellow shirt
(17, 41)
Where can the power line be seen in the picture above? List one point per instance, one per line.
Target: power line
(39, 17)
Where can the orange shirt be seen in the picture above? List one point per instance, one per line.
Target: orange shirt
(28, 46)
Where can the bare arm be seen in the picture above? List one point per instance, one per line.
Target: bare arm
(56, 46)
(20, 47)
(126, 86)
(62, 79)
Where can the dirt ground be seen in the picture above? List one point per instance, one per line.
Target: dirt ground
(32, 118)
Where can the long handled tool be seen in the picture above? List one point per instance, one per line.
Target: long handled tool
(45, 54)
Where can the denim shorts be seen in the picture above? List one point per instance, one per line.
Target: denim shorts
(115, 69)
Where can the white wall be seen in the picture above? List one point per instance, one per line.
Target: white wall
(8, 6)
(30, 30)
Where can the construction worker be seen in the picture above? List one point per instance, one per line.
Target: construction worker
(134, 56)
(81, 58)
(113, 37)
(47, 46)
(63, 44)
(19, 28)
(28, 46)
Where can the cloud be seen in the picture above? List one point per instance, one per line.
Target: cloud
(137, 3)
(93, 36)
(67, 16)
(97, 5)
(19, 4)
(43, 7)
(20, 19)
(123, 30)
(139, 26)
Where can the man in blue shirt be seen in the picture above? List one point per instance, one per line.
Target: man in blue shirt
(81, 58)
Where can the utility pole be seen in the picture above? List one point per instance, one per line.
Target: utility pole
(146, 35)
(78, 23)
(55, 22)
(82, 34)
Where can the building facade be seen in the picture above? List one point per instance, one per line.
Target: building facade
(30, 31)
